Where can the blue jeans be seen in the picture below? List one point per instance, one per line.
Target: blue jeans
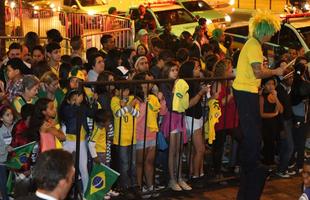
(253, 173)
(127, 166)
(3, 179)
(286, 146)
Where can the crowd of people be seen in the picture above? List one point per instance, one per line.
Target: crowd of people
(139, 129)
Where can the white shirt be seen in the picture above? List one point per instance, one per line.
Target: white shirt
(303, 197)
(44, 196)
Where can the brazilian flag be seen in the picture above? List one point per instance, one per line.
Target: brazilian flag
(20, 156)
(100, 182)
(9, 183)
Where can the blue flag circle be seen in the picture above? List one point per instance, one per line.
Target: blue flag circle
(97, 182)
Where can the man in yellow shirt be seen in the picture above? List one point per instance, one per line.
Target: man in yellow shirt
(250, 71)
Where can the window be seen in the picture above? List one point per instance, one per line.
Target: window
(288, 38)
(91, 2)
(241, 30)
(194, 6)
(175, 17)
(143, 23)
(305, 33)
(70, 3)
(275, 38)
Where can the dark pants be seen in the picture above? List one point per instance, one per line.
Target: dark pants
(300, 131)
(218, 150)
(3, 179)
(253, 174)
(269, 133)
(286, 145)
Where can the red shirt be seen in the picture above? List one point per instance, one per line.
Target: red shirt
(18, 138)
(229, 118)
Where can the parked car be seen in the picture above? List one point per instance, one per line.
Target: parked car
(225, 6)
(201, 8)
(180, 18)
(293, 32)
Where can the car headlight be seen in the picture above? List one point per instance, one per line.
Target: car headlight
(91, 12)
(307, 6)
(231, 2)
(36, 7)
(227, 18)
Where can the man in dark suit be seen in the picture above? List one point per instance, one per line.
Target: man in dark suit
(53, 174)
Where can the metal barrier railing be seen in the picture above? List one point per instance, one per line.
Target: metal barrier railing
(133, 85)
(90, 27)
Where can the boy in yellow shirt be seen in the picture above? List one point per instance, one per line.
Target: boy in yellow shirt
(98, 140)
(125, 109)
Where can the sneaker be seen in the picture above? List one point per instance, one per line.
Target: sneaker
(291, 172)
(184, 185)
(174, 186)
(106, 197)
(154, 192)
(146, 193)
(113, 193)
(292, 166)
(159, 187)
(283, 174)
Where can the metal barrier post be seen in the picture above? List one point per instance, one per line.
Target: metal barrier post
(2, 28)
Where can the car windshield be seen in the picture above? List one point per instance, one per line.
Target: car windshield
(175, 17)
(305, 32)
(91, 2)
(194, 6)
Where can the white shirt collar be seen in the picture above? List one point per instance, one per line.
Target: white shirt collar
(44, 196)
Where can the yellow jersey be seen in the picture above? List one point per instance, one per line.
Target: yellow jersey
(99, 137)
(19, 102)
(124, 117)
(245, 79)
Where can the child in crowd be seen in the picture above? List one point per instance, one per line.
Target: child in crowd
(15, 71)
(18, 131)
(29, 91)
(270, 108)
(23, 177)
(194, 118)
(4, 149)
(98, 139)
(286, 143)
(174, 128)
(98, 142)
(150, 106)
(7, 123)
(228, 121)
(74, 111)
(306, 181)
(50, 134)
(53, 56)
(125, 109)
